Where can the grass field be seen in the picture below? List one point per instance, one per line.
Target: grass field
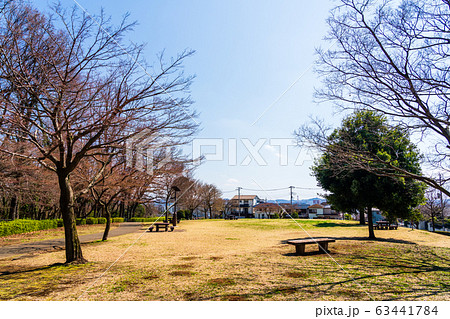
(242, 260)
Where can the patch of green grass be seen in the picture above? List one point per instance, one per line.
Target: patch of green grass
(16, 284)
(274, 224)
(219, 282)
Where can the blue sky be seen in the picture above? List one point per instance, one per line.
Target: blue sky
(247, 54)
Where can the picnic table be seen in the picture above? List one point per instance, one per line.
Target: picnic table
(301, 243)
(171, 220)
(383, 224)
(159, 226)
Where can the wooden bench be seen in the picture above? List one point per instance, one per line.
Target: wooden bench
(159, 226)
(301, 243)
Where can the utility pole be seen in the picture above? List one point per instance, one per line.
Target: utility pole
(239, 201)
(292, 209)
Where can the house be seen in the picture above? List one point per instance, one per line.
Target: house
(302, 210)
(323, 211)
(267, 210)
(243, 205)
(329, 213)
(314, 211)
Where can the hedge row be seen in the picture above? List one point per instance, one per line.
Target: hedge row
(145, 220)
(20, 226)
(99, 220)
(92, 220)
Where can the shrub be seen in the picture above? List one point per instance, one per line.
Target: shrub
(60, 223)
(91, 221)
(180, 214)
(118, 220)
(20, 226)
(144, 220)
(276, 216)
(101, 220)
(81, 221)
(294, 215)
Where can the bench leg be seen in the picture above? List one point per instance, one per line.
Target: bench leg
(323, 247)
(300, 249)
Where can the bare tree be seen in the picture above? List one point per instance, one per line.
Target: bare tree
(72, 89)
(433, 207)
(211, 199)
(191, 194)
(393, 60)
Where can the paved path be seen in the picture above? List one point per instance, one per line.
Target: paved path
(58, 243)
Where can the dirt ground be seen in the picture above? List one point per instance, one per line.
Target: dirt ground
(241, 260)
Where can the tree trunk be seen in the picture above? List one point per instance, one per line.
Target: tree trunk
(12, 208)
(370, 223)
(432, 223)
(362, 218)
(122, 210)
(73, 247)
(108, 222)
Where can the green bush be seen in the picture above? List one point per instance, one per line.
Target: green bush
(145, 220)
(81, 221)
(294, 215)
(20, 226)
(60, 223)
(275, 216)
(118, 220)
(101, 220)
(180, 214)
(91, 221)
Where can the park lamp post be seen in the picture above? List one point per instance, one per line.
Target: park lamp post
(175, 190)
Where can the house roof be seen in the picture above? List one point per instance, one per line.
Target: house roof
(245, 197)
(316, 206)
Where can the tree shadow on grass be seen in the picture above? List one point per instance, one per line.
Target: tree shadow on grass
(385, 240)
(373, 285)
(366, 239)
(309, 253)
(338, 224)
(30, 270)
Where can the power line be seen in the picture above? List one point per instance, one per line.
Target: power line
(273, 189)
(267, 190)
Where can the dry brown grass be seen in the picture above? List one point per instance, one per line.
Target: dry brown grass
(242, 260)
